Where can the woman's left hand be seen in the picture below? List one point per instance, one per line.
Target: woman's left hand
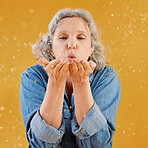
(80, 70)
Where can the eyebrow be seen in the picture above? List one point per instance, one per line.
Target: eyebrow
(77, 31)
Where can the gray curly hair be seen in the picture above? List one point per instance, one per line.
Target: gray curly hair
(43, 47)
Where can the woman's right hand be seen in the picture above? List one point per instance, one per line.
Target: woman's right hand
(56, 70)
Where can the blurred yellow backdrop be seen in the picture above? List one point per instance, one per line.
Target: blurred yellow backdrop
(124, 33)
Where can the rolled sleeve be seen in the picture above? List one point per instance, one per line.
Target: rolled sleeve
(92, 123)
(46, 132)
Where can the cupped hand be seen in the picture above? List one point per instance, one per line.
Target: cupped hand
(56, 70)
(80, 70)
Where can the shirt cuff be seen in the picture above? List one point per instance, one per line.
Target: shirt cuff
(46, 132)
(92, 123)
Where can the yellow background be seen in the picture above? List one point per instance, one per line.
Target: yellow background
(124, 33)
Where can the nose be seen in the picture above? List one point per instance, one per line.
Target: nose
(71, 45)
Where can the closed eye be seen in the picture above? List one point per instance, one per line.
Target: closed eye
(63, 38)
(78, 38)
(81, 38)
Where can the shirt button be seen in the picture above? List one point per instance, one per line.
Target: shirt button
(70, 107)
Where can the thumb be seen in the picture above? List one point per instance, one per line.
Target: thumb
(92, 64)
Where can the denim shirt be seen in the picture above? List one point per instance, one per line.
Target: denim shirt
(96, 130)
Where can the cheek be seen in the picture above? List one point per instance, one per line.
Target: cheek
(58, 50)
(84, 53)
(86, 48)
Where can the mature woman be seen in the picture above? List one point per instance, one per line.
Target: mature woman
(71, 98)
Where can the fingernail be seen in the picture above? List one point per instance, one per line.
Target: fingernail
(93, 64)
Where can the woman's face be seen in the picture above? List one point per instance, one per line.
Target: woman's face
(71, 36)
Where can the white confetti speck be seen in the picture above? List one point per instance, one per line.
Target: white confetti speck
(10, 111)
(2, 108)
(18, 50)
(14, 38)
(7, 39)
(139, 70)
(13, 127)
(131, 10)
(25, 44)
(32, 11)
(130, 104)
(12, 69)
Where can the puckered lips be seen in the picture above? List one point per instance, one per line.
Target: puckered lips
(71, 57)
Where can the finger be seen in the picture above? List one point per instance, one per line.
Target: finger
(70, 68)
(92, 64)
(84, 63)
(44, 61)
(80, 67)
(58, 68)
(74, 68)
(86, 66)
(51, 65)
(64, 69)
